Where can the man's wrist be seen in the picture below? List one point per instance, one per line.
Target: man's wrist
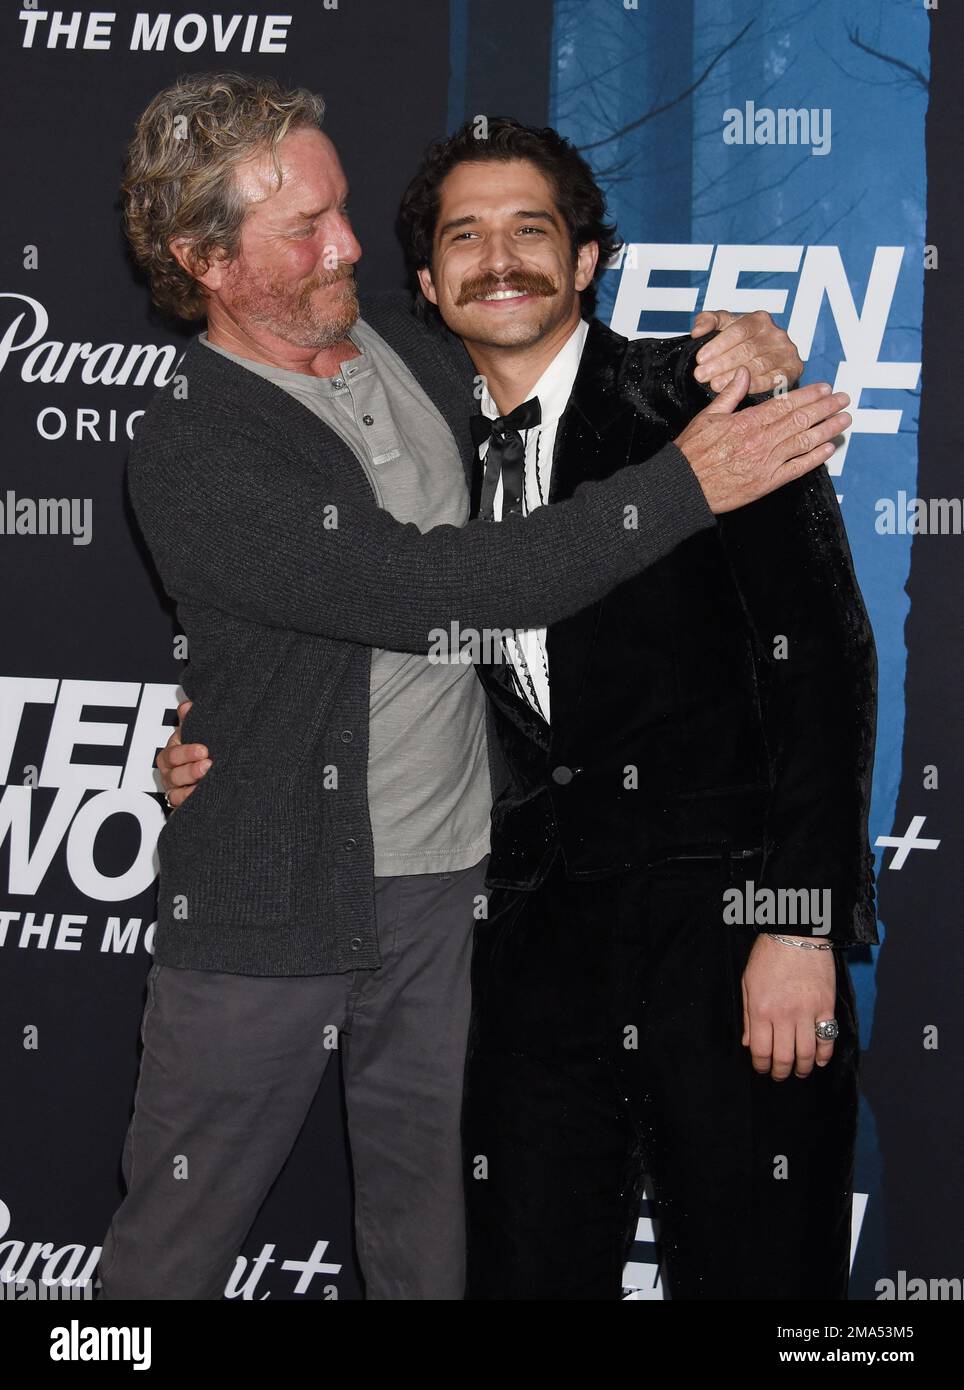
(802, 941)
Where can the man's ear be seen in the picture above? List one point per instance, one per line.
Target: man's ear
(210, 275)
(586, 258)
(428, 285)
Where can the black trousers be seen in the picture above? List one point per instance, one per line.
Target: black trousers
(605, 1044)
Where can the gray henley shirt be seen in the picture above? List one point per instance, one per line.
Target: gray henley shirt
(429, 792)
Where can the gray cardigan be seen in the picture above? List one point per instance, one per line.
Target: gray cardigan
(285, 571)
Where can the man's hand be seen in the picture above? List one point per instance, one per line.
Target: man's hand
(745, 340)
(786, 992)
(181, 765)
(740, 457)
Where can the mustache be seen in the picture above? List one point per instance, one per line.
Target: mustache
(526, 281)
(324, 279)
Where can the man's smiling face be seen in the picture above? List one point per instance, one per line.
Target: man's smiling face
(503, 272)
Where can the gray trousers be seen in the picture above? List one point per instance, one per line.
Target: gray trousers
(229, 1069)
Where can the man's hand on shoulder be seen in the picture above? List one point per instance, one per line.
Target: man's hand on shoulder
(745, 340)
(740, 456)
(181, 765)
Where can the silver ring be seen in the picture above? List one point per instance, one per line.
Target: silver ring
(168, 800)
(827, 1029)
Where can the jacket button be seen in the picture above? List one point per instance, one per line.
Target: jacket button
(347, 735)
(562, 775)
(355, 943)
(351, 844)
(368, 419)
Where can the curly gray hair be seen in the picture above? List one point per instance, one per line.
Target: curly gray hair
(179, 174)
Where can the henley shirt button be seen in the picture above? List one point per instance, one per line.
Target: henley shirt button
(355, 943)
(351, 844)
(347, 735)
(368, 419)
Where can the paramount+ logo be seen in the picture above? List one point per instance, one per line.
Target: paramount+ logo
(28, 349)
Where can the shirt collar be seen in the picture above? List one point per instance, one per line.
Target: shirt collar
(303, 381)
(555, 385)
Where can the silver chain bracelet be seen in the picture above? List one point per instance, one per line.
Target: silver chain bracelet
(805, 945)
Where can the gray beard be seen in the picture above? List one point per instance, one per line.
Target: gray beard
(307, 331)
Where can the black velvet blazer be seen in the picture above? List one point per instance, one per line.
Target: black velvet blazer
(724, 701)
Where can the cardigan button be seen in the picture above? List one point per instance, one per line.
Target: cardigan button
(351, 844)
(564, 775)
(355, 943)
(347, 735)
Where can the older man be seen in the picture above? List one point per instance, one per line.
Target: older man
(302, 486)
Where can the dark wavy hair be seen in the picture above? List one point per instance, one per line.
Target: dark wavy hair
(578, 197)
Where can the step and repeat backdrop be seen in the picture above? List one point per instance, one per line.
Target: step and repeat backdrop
(800, 159)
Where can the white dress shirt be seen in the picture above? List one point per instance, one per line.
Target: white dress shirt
(527, 649)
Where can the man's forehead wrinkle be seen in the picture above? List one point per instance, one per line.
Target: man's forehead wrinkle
(320, 202)
(462, 212)
(296, 198)
(255, 179)
(309, 186)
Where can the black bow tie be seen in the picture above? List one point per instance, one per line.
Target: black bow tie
(505, 455)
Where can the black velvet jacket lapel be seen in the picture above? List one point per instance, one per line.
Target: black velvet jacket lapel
(592, 440)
